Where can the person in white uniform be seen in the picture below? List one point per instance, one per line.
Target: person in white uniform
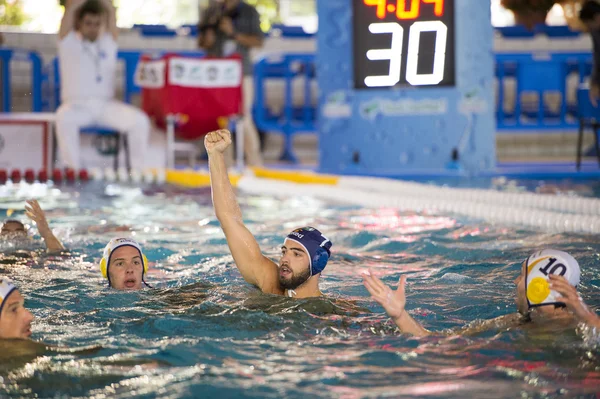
(88, 58)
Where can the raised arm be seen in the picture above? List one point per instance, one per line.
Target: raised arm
(252, 264)
(111, 13)
(68, 20)
(35, 213)
(393, 302)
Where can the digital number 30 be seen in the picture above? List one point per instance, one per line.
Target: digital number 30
(394, 54)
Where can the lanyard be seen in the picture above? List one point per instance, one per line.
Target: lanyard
(97, 57)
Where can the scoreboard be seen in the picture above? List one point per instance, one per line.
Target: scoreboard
(406, 87)
(403, 42)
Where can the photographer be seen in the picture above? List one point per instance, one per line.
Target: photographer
(228, 27)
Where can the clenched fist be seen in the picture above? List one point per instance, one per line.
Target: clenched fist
(217, 141)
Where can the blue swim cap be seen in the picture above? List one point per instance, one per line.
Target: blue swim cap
(317, 247)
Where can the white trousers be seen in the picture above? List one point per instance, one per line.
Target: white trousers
(113, 114)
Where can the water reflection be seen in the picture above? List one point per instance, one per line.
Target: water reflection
(204, 330)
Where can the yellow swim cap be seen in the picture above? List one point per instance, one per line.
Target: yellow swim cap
(117, 243)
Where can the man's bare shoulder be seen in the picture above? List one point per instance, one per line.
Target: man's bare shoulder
(269, 279)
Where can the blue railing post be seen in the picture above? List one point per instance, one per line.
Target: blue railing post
(56, 82)
(36, 82)
(37, 77)
(259, 107)
(288, 141)
(6, 56)
(500, 79)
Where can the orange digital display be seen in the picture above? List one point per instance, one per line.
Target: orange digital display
(405, 9)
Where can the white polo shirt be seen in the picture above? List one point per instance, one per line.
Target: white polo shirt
(87, 69)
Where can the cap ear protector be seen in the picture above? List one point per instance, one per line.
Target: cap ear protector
(319, 261)
(539, 266)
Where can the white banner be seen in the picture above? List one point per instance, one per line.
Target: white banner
(22, 146)
(193, 72)
(150, 74)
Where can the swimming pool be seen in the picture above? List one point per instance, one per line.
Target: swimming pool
(204, 332)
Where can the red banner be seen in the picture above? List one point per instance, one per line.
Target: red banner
(200, 92)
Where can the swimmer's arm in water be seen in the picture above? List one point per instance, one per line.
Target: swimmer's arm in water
(499, 323)
(394, 302)
(571, 298)
(252, 264)
(35, 213)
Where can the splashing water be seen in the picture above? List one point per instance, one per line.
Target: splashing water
(204, 332)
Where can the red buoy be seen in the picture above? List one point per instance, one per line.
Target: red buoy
(3, 176)
(43, 176)
(83, 175)
(15, 175)
(57, 176)
(70, 175)
(29, 176)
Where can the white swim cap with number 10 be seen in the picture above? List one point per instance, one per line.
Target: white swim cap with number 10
(542, 264)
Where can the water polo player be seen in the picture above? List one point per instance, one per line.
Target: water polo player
(15, 230)
(15, 320)
(124, 264)
(305, 251)
(546, 290)
(547, 287)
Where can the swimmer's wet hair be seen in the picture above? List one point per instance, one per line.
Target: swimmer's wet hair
(12, 221)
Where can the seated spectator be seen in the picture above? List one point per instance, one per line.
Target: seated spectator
(228, 27)
(88, 59)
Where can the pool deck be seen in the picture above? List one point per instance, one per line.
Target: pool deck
(543, 170)
(545, 163)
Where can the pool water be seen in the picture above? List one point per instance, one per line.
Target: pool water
(204, 332)
(573, 187)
